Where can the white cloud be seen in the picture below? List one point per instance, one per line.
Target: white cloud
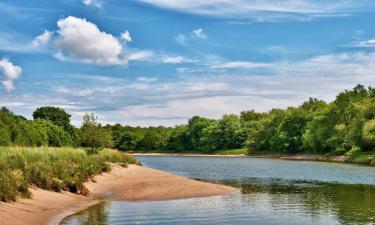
(42, 39)
(366, 43)
(147, 79)
(10, 72)
(195, 34)
(199, 33)
(126, 36)
(210, 92)
(93, 3)
(176, 59)
(142, 55)
(83, 41)
(79, 40)
(8, 85)
(261, 10)
(241, 65)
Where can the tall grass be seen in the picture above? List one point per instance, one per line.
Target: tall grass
(52, 169)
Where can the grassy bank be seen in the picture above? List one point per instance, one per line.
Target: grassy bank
(53, 169)
(239, 151)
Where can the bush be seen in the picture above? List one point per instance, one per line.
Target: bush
(369, 133)
(53, 169)
(355, 151)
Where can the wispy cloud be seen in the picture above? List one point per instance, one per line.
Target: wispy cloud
(263, 10)
(211, 92)
(97, 4)
(198, 33)
(364, 43)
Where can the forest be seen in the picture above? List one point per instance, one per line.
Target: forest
(343, 125)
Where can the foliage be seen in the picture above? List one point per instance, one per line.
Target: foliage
(57, 115)
(93, 134)
(51, 169)
(313, 127)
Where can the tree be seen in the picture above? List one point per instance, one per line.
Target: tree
(195, 128)
(179, 139)
(93, 134)
(229, 126)
(57, 136)
(320, 132)
(250, 116)
(57, 115)
(288, 138)
(369, 134)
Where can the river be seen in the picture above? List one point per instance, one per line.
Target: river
(273, 191)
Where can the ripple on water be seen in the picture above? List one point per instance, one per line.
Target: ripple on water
(272, 192)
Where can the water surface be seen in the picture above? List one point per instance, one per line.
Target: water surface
(272, 192)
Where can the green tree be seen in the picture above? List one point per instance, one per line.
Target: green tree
(288, 138)
(196, 125)
(369, 134)
(57, 115)
(93, 134)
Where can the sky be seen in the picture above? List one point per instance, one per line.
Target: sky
(160, 62)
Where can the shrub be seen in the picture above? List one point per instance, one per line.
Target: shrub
(353, 152)
(53, 169)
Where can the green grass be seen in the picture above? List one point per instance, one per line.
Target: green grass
(363, 158)
(217, 152)
(53, 169)
(238, 151)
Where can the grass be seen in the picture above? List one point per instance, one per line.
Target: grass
(53, 169)
(217, 152)
(363, 158)
(238, 151)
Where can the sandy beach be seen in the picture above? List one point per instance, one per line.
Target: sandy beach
(134, 183)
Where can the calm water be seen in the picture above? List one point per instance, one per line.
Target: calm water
(272, 192)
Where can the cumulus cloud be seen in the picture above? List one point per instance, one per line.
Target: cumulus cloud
(126, 36)
(42, 39)
(9, 72)
(83, 41)
(93, 3)
(261, 10)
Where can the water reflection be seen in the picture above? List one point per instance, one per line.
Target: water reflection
(350, 203)
(95, 215)
(261, 201)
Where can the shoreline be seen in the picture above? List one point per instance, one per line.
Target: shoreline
(189, 155)
(134, 183)
(300, 157)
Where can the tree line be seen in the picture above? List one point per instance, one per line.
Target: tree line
(347, 123)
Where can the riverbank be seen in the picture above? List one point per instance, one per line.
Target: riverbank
(134, 183)
(361, 158)
(187, 154)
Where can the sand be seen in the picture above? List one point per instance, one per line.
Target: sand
(134, 183)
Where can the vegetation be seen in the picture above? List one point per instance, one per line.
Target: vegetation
(345, 126)
(93, 134)
(51, 169)
(314, 127)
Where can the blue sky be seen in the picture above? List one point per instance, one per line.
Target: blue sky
(159, 62)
